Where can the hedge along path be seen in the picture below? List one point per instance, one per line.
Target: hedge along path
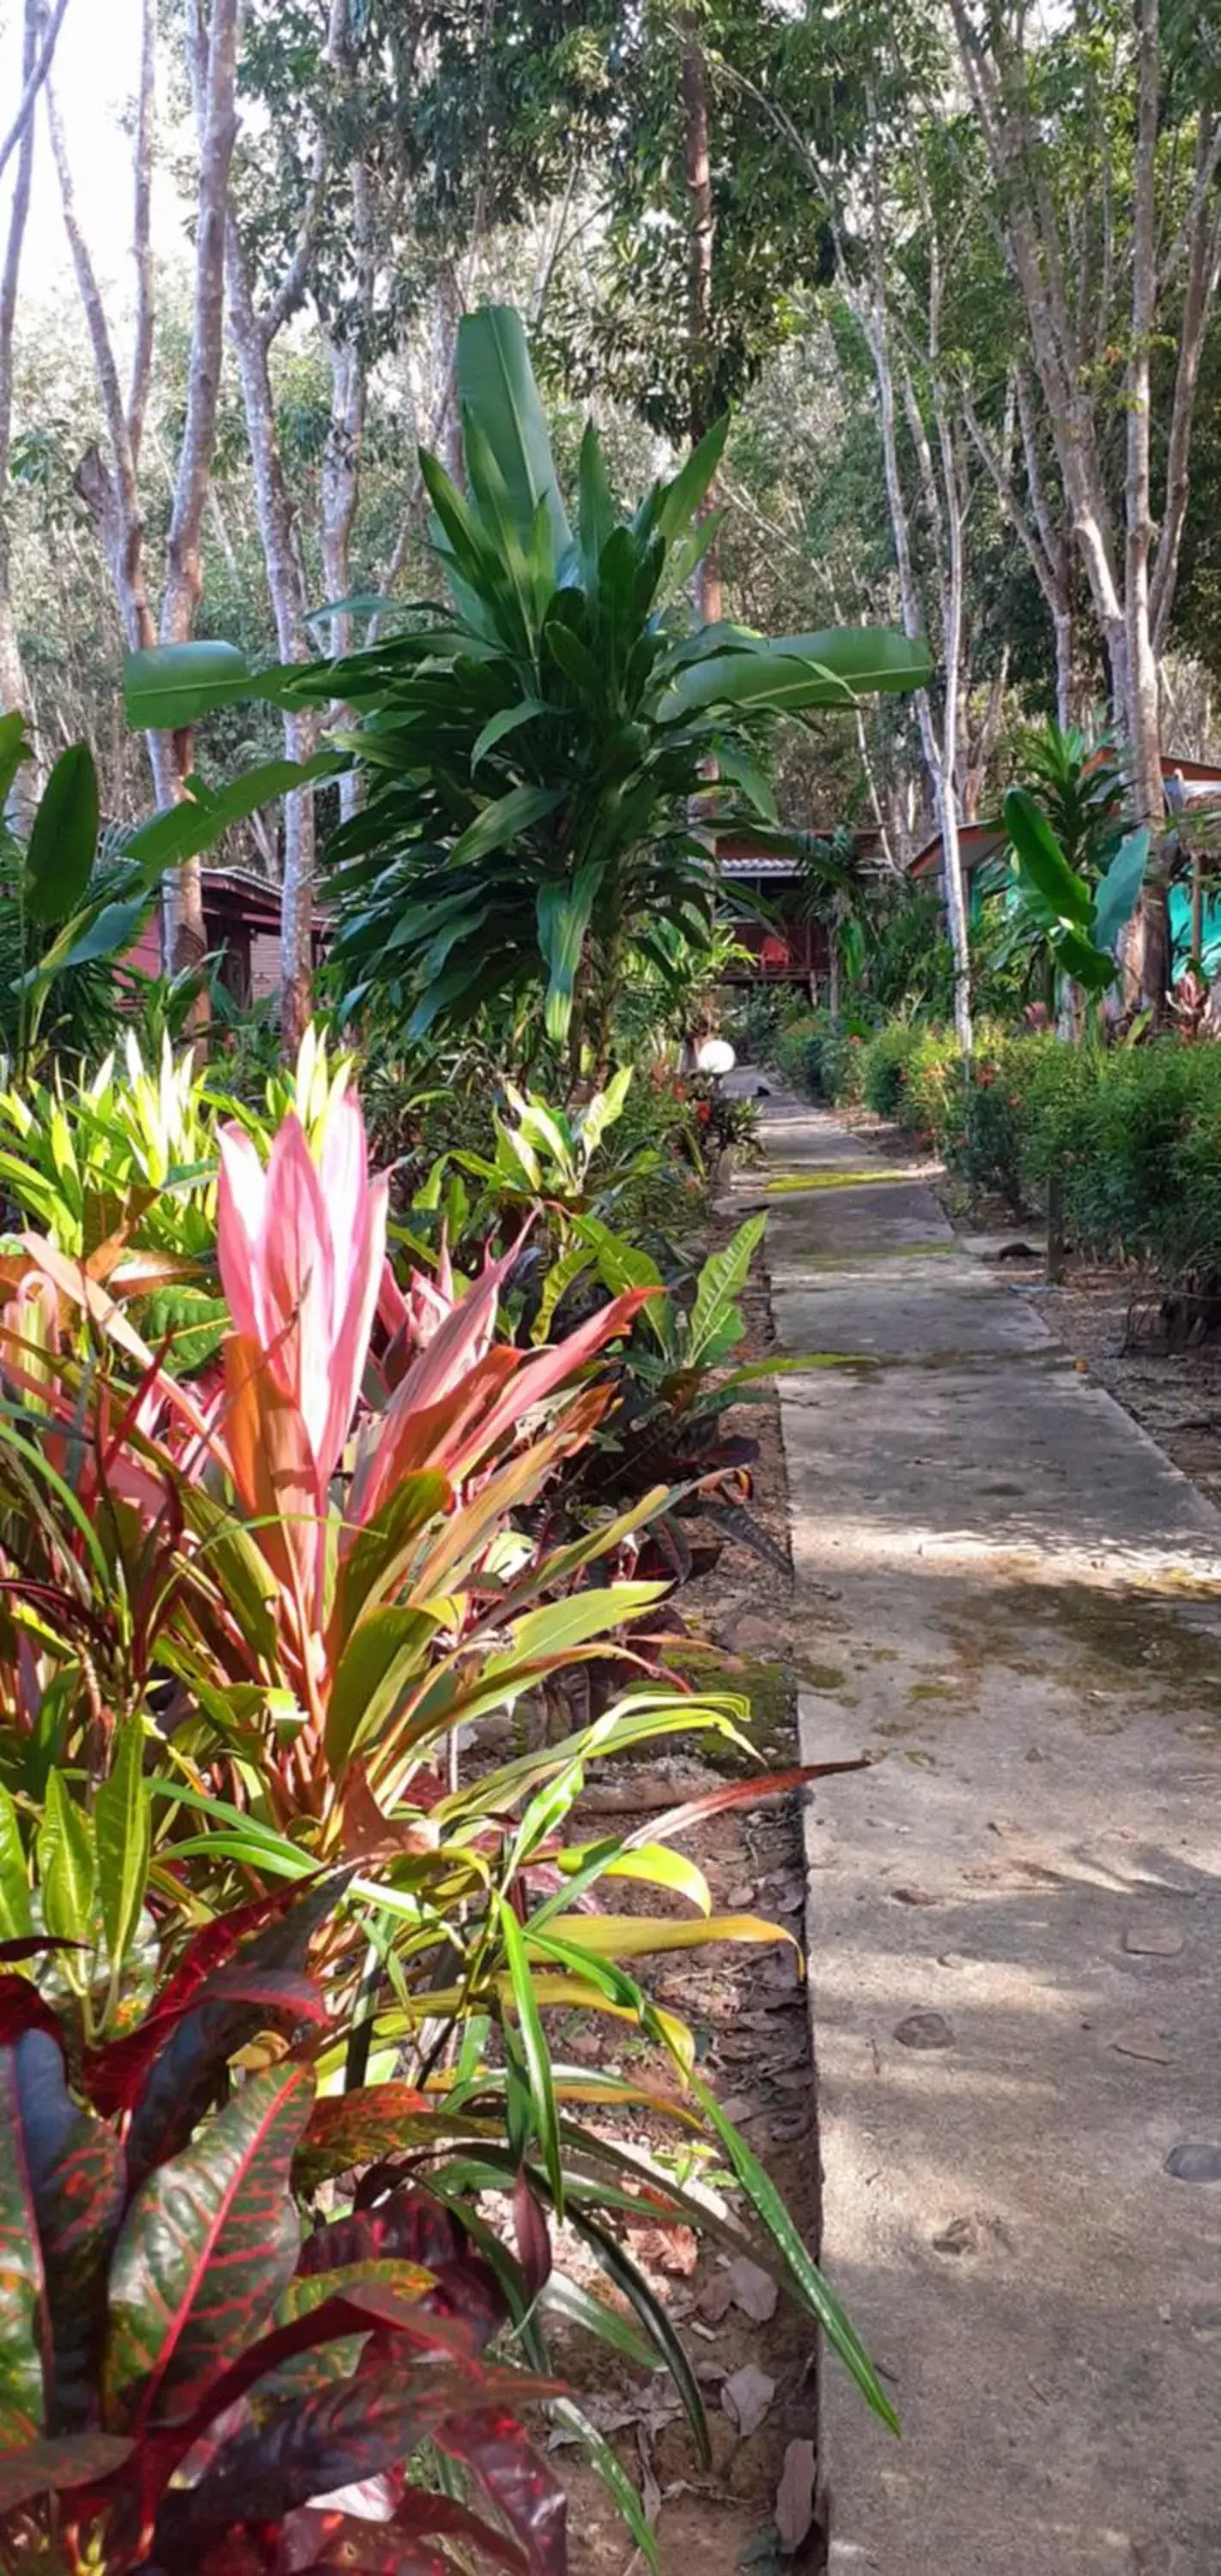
(1014, 1924)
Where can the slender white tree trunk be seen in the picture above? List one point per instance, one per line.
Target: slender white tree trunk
(286, 585)
(183, 904)
(940, 747)
(14, 692)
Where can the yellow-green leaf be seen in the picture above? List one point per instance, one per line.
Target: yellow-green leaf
(634, 1936)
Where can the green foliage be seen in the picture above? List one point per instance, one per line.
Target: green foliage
(1074, 896)
(157, 2271)
(1081, 783)
(531, 756)
(291, 1607)
(887, 1059)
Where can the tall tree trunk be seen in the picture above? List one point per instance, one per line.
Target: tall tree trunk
(706, 587)
(14, 692)
(940, 747)
(286, 585)
(35, 68)
(110, 492)
(1144, 721)
(185, 938)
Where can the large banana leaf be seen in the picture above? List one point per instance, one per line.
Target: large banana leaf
(64, 837)
(1119, 891)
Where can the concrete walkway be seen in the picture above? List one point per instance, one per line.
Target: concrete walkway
(1007, 1593)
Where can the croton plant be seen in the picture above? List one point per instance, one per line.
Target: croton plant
(187, 2378)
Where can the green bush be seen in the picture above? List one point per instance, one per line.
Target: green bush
(884, 1068)
(1136, 1135)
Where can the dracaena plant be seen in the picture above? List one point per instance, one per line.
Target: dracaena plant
(185, 2376)
(530, 754)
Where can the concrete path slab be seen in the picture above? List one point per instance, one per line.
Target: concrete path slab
(1014, 1601)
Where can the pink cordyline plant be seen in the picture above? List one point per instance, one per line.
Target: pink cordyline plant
(342, 1470)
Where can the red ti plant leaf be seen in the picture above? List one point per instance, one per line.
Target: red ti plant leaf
(548, 1369)
(492, 2444)
(77, 2182)
(207, 2246)
(533, 2238)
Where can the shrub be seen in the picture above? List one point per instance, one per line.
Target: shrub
(885, 1061)
(932, 1085)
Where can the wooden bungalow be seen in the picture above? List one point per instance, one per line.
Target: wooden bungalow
(241, 926)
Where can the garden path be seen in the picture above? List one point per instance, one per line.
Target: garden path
(1007, 1594)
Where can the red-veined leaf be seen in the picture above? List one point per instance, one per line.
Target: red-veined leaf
(349, 2129)
(186, 2071)
(492, 2444)
(322, 2442)
(77, 2181)
(419, 2516)
(410, 2226)
(114, 2073)
(47, 2468)
(22, 2008)
(25, 2334)
(207, 2246)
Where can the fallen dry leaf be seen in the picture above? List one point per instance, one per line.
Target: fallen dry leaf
(668, 2249)
(795, 2497)
(753, 2290)
(716, 2298)
(746, 2398)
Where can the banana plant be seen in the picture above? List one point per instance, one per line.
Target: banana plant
(532, 751)
(82, 894)
(1072, 926)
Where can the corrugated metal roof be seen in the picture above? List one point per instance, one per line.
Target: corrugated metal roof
(761, 864)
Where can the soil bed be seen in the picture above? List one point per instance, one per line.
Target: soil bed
(747, 2009)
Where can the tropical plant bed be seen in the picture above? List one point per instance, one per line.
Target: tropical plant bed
(749, 2012)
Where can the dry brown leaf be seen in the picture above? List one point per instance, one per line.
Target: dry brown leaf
(795, 2497)
(753, 2290)
(747, 2397)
